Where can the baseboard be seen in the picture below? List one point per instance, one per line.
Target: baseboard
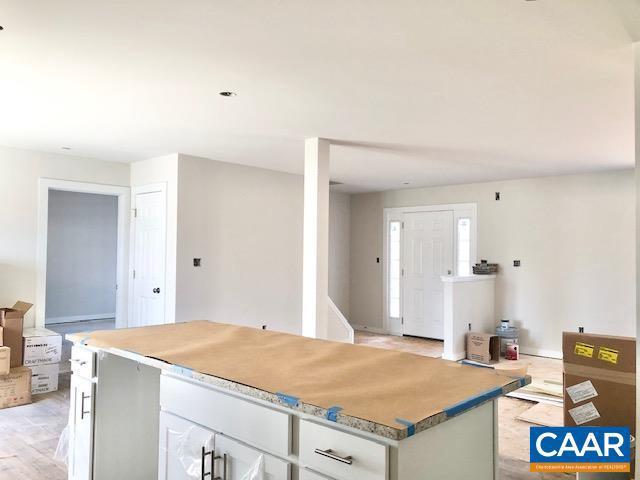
(538, 352)
(366, 328)
(78, 318)
(456, 356)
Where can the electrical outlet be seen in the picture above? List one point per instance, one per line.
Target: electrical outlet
(516, 263)
(197, 262)
(497, 196)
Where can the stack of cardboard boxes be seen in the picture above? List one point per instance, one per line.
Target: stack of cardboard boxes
(29, 361)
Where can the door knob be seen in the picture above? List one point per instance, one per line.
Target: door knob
(156, 290)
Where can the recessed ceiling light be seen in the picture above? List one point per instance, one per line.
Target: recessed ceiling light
(406, 183)
(228, 94)
(66, 148)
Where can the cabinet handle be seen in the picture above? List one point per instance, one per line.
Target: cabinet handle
(224, 466)
(82, 411)
(330, 454)
(79, 362)
(204, 475)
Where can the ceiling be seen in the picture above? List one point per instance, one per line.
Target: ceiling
(428, 92)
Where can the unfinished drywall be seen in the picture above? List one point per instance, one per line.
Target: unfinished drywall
(245, 224)
(339, 249)
(163, 170)
(19, 211)
(82, 237)
(574, 236)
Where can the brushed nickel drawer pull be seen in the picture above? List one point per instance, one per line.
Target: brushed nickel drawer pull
(330, 454)
(79, 362)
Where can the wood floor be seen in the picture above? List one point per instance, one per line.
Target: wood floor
(29, 434)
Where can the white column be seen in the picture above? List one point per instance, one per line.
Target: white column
(315, 263)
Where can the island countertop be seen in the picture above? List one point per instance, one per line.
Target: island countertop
(387, 393)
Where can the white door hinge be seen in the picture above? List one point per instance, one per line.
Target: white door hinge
(135, 213)
(401, 320)
(134, 274)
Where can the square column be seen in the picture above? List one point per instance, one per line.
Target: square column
(315, 263)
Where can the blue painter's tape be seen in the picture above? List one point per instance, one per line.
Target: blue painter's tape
(471, 402)
(184, 371)
(332, 413)
(84, 340)
(288, 399)
(411, 427)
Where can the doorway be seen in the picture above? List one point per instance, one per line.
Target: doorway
(75, 285)
(422, 244)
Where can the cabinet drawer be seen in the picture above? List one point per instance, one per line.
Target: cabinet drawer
(309, 475)
(83, 362)
(341, 455)
(257, 425)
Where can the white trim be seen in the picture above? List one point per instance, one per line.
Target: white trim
(467, 278)
(46, 184)
(455, 357)
(79, 318)
(343, 323)
(135, 191)
(539, 352)
(460, 210)
(366, 328)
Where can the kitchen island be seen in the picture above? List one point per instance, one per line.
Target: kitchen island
(213, 401)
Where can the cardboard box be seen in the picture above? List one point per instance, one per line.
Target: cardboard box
(5, 360)
(599, 380)
(12, 319)
(15, 388)
(483, 347)
(44, 378)
(41, 347)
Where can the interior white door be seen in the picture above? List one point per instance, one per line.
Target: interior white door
(428, 254)
(81, 429)
(241, 459)
(149, 259)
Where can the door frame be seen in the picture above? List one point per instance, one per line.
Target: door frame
(460, 210)
(168, 289)
(122, 193)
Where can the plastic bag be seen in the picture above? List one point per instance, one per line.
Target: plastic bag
(190, 452)
(257, 471)
(62, 450)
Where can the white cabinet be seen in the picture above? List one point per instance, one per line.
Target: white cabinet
(185, 449)
(81, 428)
(341, 455)
(188, 451)
(241, 459)
(309, 475)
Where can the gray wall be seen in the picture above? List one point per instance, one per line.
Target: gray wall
(81, 256)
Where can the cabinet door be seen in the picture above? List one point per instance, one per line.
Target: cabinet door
(309, 475)
(241, 459)
(81, 429)
(185, 450)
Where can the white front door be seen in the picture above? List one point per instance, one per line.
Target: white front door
(149, 253)
(428, 254)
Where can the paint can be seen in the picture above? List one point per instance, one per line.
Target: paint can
(512, 352)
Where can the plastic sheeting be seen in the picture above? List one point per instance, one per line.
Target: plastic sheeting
(257, 471)
(62, 450)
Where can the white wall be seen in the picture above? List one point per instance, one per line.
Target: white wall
(82, 236)
(339, 249)
(245, 224)
(163, 170)
(575, 236)
(19, 211)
